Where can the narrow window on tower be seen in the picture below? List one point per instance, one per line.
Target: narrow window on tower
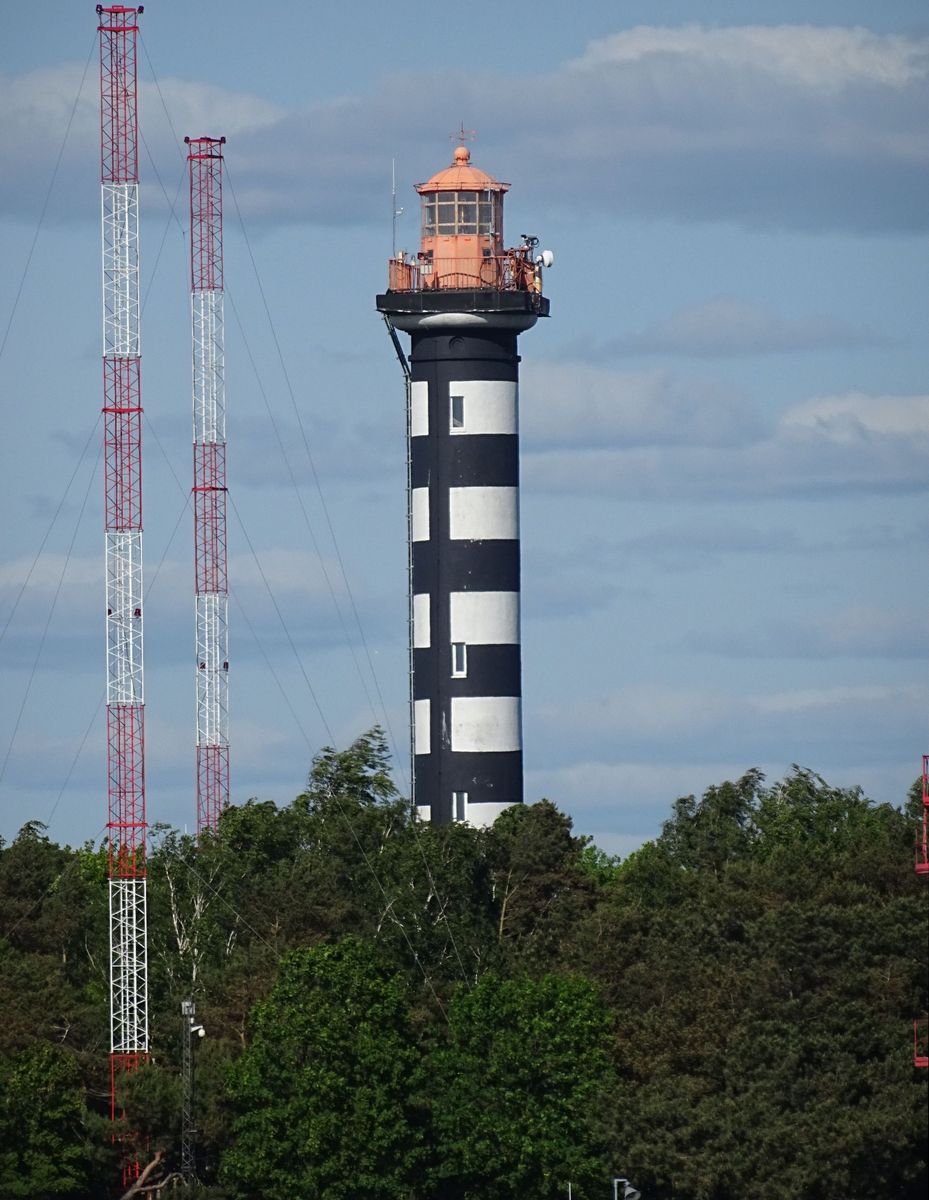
(457, 407)
(460, 806)
(459, 660)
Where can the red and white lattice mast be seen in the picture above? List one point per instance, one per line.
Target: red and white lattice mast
(209, 489)
(122, 408)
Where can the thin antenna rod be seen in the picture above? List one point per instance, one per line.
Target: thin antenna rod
(394, 211)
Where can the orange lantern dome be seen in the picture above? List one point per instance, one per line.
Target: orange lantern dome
(462, 225)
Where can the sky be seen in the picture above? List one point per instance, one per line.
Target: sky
(725, 422)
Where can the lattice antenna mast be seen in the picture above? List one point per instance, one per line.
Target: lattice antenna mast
(122, 408)
(209, 489)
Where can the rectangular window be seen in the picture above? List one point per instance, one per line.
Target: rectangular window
(457, 407)
(428, 216)
(459, 660)
(460, 806)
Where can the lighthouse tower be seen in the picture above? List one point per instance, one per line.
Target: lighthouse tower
(464, 300)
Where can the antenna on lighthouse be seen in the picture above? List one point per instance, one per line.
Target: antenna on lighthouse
(394, 211)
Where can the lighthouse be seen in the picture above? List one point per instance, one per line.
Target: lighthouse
(464, 299)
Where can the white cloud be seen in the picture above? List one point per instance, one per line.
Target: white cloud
(856, 417)
(725, 325)
(39, 105)
(813, 700)
(45, 572)
(639, 435)
(855, 631)
(630, 722)
(819, 58)
(645, 710)
(580, 405)
(287, 571)
(772, 126)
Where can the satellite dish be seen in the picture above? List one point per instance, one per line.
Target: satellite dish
(548, 258)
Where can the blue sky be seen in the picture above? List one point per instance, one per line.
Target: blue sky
(725, 421)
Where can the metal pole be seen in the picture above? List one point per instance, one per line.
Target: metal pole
(188, 1154)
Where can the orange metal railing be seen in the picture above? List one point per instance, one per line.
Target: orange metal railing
(512, 271)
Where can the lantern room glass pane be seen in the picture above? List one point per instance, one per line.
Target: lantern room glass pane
(467, 218)
(428, 216)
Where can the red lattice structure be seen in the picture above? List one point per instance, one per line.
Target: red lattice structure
(122, 409)
(205, 158)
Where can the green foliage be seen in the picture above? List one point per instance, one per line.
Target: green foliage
(761, 962)
(517, 1090)
(42, 1138)
(325, 1093)
(437, 1011)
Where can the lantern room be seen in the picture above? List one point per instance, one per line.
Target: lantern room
(461, 243)
(462, 225)
(461, 248)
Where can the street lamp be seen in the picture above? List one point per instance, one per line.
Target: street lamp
(188, 1130)
(628, 1191)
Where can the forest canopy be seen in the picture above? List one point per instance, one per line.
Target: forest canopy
(396, 1010)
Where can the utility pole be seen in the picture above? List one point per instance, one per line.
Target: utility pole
(122, 409)
(188, 1128)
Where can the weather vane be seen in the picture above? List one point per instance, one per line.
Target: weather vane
(463, 135)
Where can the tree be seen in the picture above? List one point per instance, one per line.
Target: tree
(518, 1088)
(43, 1150)
(759, 960)
(541, 884)
(325, 1094)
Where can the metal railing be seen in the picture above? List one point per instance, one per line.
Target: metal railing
(512, 271)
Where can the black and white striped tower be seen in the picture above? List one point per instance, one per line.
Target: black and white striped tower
(464, 300)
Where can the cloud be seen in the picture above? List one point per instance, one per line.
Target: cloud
(725, 325)
(652, 725)
(583, 406)
(694, 546)
(648, 435)
(788, 126)
(621, 804)
(347, 447)
(856, 418)
(856, 631)
(50, 110)
(823, 60)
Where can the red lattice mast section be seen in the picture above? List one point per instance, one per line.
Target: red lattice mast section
(209, 489)
(122, 408)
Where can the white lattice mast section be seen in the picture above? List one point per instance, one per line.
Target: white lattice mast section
(209, 489)
(122, 409)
